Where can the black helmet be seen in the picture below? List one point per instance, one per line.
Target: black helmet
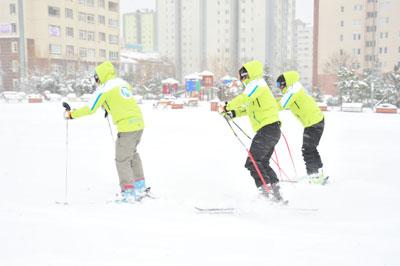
(281, 82)
(243, 74)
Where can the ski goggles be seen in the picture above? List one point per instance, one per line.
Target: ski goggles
(280, 85)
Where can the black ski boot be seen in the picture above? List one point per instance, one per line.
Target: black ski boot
(276, 194)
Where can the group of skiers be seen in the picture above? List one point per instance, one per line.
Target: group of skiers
(256, 101)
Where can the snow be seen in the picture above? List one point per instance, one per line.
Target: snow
(191, 159)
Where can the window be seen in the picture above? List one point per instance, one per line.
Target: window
(69, 32)
(358, 7)
(342, 9)
(102, 3)
(113, 23)
(102, 19)
(69, 13)
(90, 3)
(341, 23)
(82, 16)
(113, 55)
(341, 37)
(55, 49)
(54, 11)
(54, 31)
(13, 27)
(82, 52)
(13, 10)
(14, 47)
(102, 37)
(83, 35)
(112, 6)
(102, 53)
(90, 18)
(69, 49)
(90, 36)
(91, 53)
(113, 39)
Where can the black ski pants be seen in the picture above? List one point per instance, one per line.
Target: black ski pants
(261, 149)
(311, 137)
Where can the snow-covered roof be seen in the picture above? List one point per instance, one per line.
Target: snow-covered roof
(193, 76)
(206, 73)
(227, 77)
(170, 81)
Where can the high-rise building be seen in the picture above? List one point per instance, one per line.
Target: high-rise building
(139, 30)
(39, 36)
(363, 32)
(303, 43)
(223, 34)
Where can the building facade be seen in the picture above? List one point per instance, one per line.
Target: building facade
(364, 34)
(303, 43)
(139, 30)
(57, 35)
(221, 35)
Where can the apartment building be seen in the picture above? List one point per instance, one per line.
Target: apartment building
(303, 43)
(367, 31)
(41, 36)
(139, 30)
(221, 35)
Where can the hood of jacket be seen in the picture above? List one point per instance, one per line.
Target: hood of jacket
(105, 71)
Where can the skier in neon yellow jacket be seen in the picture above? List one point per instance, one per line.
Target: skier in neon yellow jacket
(258, 103)
(306, 110)
(115, 96)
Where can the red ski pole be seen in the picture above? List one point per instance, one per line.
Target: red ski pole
(290, 153)
(250, 156)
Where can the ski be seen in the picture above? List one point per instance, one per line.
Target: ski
(145, 195)
(215, 210)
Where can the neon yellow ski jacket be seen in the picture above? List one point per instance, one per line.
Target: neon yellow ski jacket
(115, 95)
(257, 101)
(302, 105)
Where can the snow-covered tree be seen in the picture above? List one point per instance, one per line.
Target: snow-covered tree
(351, 88)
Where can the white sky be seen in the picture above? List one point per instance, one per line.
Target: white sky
(304, 8)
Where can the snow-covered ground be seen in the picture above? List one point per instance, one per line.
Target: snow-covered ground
(191, 158)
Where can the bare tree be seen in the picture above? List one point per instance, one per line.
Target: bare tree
(337, 60)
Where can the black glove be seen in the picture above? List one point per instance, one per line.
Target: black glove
(105, 113)
(230, 114)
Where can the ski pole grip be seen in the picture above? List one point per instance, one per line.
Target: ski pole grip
(66, 106)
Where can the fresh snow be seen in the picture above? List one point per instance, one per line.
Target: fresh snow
(191, 158)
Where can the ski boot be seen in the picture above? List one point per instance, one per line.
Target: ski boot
(318, 178)
(277, 197)
(128, 194)
(141, 191)
(272, 193)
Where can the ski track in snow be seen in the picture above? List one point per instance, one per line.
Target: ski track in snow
(191, 158)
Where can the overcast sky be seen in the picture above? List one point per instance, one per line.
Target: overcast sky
(304, 8)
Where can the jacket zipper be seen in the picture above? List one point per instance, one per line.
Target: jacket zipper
(296, 105)
(258, 102)
(107, 105)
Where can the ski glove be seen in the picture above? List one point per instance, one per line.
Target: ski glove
(67, 115)
(228, 114)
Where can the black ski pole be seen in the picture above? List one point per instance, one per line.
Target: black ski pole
(67, 108)
(250, 156)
